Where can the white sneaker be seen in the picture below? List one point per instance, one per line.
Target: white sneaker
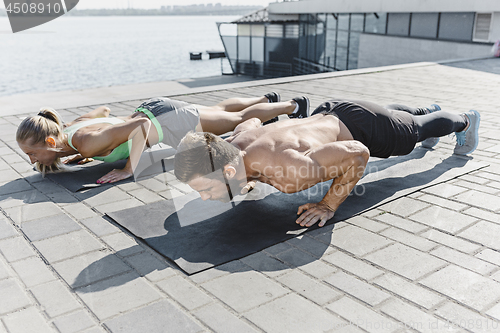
(468, 140)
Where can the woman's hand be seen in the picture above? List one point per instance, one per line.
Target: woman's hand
(115, 176)
(78, 158)
(314, 212)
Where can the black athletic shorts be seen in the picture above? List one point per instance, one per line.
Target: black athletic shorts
(385, 133)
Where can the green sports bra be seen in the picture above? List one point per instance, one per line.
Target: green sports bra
(119, 153)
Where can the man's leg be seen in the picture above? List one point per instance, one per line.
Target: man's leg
(414, 111)
(439, 124)
(429, 142)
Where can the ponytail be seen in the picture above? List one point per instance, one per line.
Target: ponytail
(51, 114)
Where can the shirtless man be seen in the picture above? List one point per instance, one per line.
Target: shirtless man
(334, 143)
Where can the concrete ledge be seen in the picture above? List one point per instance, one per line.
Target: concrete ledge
(31, 103)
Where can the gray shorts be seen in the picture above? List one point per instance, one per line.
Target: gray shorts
(172, 119)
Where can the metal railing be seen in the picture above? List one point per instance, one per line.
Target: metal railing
(264, 69)
(260, 69)
(302, 66)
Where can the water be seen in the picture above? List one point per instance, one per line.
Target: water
(86, 52)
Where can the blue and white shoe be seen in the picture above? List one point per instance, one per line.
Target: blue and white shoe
(431, 142)
(468, 139)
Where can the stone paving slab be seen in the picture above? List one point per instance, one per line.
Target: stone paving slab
(90, 268)
(33, 271)
(430, 259)
(464, 286)
(406, 261)
(286, 314)
(156, 318)
(219, 319)
(117, 295)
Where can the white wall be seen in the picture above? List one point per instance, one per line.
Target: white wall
(385, 6)
(495, 27)
(380, 50)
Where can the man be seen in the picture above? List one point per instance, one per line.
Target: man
(334, 143)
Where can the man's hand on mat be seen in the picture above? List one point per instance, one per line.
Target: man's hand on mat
(248, 187)
(114, 176)
(314, 212)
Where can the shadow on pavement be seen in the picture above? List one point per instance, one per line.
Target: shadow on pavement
(197, 244)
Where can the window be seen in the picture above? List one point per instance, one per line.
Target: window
(274, 30)
(244, 30)
(257, 49)
(424, 25)
(456, 26)
(482, 27)
(342, 38)
(341, 60)
(375, 23)
(331, 40)
(343, 22)
(353, 50)
(331, 21)
(357, 22)
(291, 31)
(398, 24)
(244, 48)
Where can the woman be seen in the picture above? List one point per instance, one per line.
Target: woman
(45, 139)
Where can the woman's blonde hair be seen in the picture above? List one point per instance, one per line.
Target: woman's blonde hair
(35, 130)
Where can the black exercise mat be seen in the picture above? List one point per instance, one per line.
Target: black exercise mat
(267, 217)
(153, 162)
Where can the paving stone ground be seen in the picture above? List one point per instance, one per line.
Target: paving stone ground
(428, 262)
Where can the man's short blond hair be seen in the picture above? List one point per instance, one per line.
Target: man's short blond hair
(200, 154)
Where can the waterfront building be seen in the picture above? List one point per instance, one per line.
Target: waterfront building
(311, 36)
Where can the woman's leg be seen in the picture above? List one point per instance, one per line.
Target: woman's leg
(239, 103)
(439, 124)
(219, 122)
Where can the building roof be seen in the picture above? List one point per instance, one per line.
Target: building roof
(261, 15)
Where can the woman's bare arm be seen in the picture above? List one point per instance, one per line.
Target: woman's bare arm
(139, 137)
(101, 143)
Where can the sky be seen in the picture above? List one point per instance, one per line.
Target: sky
(94, 4)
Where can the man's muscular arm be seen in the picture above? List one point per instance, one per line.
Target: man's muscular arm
(342, 161)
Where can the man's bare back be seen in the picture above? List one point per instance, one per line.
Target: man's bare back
(316, 130)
